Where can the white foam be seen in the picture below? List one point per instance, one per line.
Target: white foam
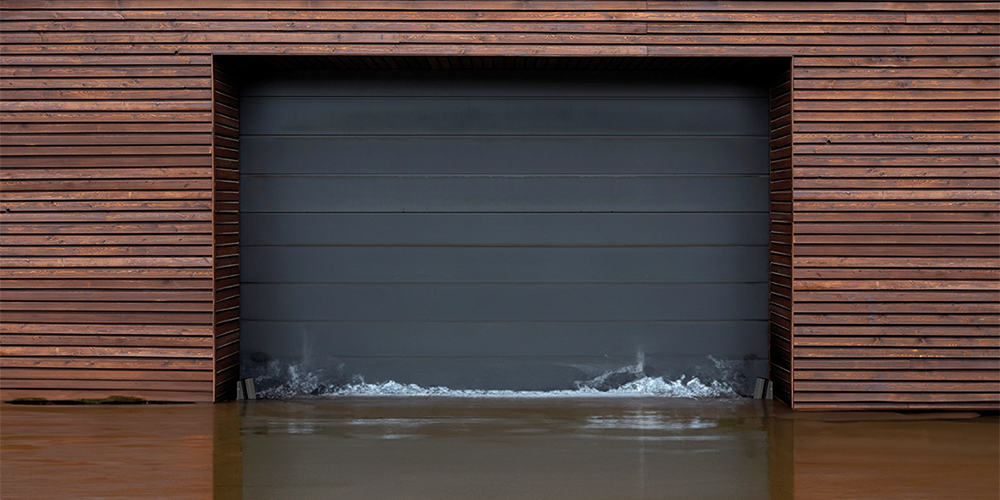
(643, 387)
(282, 382)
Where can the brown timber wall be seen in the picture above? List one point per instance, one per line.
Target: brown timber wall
(120, 174)
(896, 242)
(106, 227)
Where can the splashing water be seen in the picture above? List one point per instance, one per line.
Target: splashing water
(282, 382)
(646, 386)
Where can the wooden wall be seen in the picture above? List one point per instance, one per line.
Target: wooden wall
(895, 243)
(118, 155)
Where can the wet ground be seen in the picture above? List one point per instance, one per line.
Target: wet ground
(573, 448)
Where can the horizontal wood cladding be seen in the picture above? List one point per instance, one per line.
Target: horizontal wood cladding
(119, 176)
(107, 231)
(896, 192)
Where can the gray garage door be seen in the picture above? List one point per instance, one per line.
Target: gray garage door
(515, 230)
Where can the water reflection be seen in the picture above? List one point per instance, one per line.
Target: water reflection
(453, 448)
(880, 459)
(65, 452)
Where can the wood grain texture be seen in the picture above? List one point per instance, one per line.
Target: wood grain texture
(120, 178)
(893, 284)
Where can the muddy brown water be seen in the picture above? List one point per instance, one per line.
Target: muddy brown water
(573, 448)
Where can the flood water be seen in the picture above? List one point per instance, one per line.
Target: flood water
(425, 447)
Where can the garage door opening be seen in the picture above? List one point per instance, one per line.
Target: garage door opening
(496, 225)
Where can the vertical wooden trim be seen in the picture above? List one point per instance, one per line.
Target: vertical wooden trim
(780, 352)
(215, 287)
(225, 232)
(791, 224)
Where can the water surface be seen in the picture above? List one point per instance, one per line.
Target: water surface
(428, 447)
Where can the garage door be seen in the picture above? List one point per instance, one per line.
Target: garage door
(504, 230)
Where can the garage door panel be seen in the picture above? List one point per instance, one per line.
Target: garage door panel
(507, 229)
(502, 194)
(687, 84)
(556, 339)
(503, 155)
(505, 302)
(310, 264)
(594, 116)
(518, 230)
